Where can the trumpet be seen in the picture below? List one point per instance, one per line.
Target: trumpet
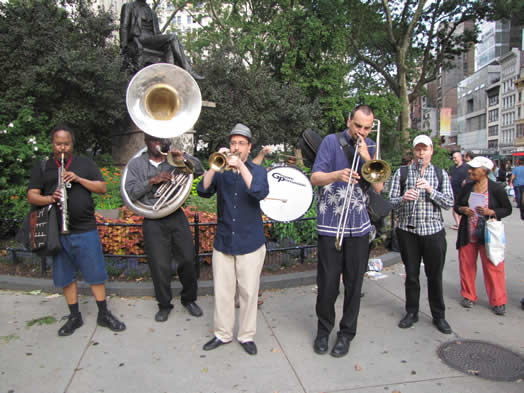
(218, 161)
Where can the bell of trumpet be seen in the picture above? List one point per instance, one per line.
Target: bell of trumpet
(218, 162)
(163, 100)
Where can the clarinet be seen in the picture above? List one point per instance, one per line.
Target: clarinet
(63, 186)
(411, 222)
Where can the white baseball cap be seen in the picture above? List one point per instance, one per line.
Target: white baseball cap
(481, 162)
(424, 139)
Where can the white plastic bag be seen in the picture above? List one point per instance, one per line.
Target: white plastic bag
(495, 240)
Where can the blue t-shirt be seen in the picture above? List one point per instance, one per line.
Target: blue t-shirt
(519, 176)
(331, 157)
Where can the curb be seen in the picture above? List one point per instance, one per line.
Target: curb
(124, 288)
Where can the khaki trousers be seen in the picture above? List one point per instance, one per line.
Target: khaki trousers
(228, 270)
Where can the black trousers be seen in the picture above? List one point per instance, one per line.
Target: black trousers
(165, 239)
(432, 249)
(170, 44)
(351, 262)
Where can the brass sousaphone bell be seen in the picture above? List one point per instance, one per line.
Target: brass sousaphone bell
(164, 101)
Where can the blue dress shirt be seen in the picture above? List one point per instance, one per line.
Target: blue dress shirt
(239, 229)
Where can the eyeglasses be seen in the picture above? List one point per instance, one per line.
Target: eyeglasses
(241, 143)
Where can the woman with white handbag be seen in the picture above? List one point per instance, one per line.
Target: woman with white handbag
(479, 201)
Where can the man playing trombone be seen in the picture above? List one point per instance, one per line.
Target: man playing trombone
(165, 237)
(419, 203)
(331, 172)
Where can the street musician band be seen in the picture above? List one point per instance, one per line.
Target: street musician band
(158, 179)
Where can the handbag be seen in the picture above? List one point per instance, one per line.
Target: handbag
(40, 231)
(480, 230)
(495, 240)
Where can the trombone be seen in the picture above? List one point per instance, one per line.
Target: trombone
(373, 171)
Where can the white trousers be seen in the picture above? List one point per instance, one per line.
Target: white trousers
(228, 271)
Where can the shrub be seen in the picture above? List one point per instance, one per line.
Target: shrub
(112, 199)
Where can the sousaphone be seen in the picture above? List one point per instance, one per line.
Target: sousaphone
(164, 101)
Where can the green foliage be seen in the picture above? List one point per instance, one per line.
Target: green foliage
(23, 141)
(301, 232)
(275, 112)
(62, 54)
(112, 199)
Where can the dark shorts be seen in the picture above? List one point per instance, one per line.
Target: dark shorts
(80, 252)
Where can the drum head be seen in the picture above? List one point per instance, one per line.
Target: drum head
(290, 194)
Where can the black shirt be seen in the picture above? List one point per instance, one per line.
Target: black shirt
(458, 175)
(80, 204)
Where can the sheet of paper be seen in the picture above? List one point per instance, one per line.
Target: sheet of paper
(476, 199)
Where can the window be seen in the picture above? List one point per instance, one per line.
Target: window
(470, 105)
(493, 100)
(189, 21)
(493, 144)
(493, 130)
(520, 130)
(493, 115)
(179, 20)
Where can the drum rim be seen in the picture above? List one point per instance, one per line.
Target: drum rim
(281, 165)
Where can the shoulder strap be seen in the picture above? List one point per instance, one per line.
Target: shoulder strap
(438, 171)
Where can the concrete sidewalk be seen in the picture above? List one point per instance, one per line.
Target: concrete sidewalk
(168, 357)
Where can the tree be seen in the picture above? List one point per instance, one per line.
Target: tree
(406, 43)
(276, 112)
(63, 54)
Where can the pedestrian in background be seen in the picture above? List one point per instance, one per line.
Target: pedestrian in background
(470, 242)
(517, 179)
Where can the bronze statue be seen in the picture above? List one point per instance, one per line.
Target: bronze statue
(141, 41)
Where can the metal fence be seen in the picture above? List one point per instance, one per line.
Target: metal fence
(276, 255)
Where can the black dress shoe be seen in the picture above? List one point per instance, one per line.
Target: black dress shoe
(162, 315)
(341, 346)
(320, 345)
(193, 309)
(250, 347)
(215, 342)
(108, 320)
(74, 321)
(442, 325)
(408, 320)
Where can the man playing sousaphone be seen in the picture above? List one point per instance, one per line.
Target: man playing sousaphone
(165, 237)
(239, 248)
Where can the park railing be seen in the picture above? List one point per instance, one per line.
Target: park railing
(277, 254)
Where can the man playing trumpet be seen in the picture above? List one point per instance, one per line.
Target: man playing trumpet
(239, 248)
(165, 238)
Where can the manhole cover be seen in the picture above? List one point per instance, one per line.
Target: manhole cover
(482, 359)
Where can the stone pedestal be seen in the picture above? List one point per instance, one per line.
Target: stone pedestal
(130, 140)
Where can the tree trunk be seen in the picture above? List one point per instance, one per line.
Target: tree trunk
(404, 120)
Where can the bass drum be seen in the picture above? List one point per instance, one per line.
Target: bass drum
(290, 194)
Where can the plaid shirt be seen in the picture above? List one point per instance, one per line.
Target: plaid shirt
(428, 214)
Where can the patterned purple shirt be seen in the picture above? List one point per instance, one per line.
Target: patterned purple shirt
(330, 201)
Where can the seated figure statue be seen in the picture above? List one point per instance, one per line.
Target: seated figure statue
(139, 30)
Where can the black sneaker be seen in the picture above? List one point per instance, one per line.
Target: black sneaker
(108, 320)
(499, 310)
(74, 321)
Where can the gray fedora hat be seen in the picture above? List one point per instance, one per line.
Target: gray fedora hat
(240, 129)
